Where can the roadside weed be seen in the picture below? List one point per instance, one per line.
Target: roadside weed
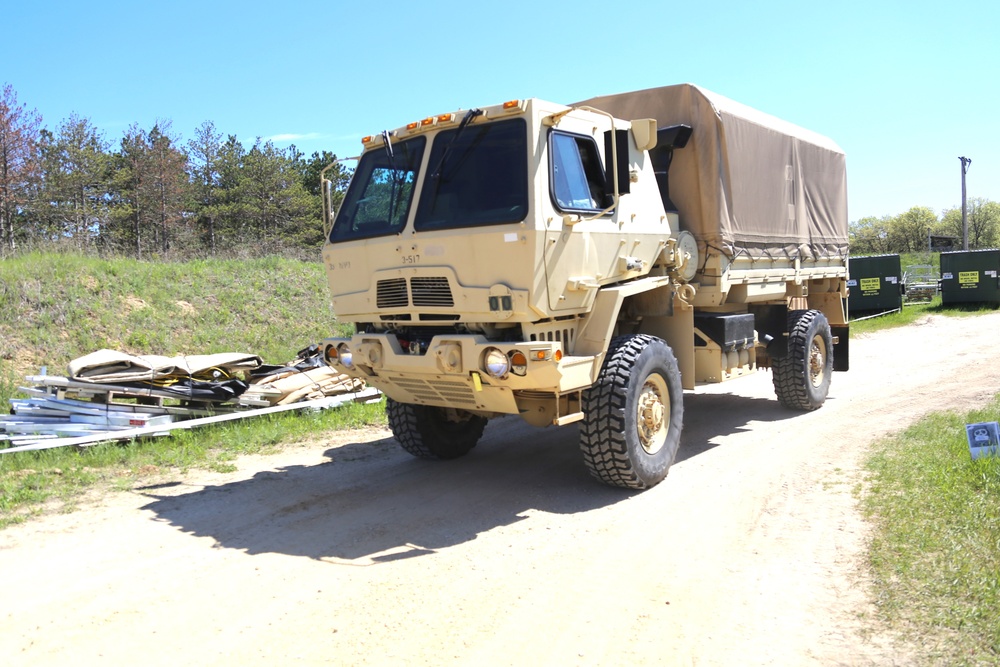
(935, 552)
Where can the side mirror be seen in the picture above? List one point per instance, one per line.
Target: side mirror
(644, 133)
(675, 136)
(327, 188)
(616, 161)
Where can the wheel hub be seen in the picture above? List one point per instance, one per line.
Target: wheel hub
(817, 360)
(653, 414)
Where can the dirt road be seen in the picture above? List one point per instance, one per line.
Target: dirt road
(354, 553)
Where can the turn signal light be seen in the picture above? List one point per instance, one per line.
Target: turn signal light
(330, 354)
(518, 363)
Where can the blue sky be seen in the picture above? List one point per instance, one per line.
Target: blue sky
(905, 88)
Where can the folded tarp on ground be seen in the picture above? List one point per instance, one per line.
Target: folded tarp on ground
(110, 366)
(305, 378)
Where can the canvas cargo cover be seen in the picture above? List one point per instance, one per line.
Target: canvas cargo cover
(746, 182)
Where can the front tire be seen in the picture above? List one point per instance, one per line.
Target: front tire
(429, 432)
(802, 377)
(633, 414)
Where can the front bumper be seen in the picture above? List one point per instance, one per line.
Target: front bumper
(452, 372)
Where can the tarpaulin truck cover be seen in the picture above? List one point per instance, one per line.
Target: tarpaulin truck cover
(747, 182)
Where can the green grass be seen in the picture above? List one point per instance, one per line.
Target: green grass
(56, 307)
(915, 312)
(935, 554)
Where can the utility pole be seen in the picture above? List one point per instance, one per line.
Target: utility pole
(965, 220)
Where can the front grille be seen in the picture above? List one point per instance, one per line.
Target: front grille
(392, 293)
(426, 293)
(439, 391)
(431, 292)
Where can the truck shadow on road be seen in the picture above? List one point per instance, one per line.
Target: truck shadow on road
(707, 417)
(371, 502)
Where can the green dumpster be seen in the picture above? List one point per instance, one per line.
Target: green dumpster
(970, 277)
(874, 284)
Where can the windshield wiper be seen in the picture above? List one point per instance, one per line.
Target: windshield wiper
(469, 116)
(394, 174)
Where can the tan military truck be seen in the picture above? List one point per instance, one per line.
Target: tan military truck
(588, 263)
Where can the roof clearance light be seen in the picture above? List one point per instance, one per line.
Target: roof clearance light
(367, 140)
(513, 104)
(427, 121)
(446, 118)
(412, 126)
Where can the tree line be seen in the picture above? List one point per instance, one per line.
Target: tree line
(920, 230)
(152, 194)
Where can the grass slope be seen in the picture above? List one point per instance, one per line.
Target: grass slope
(56, 307)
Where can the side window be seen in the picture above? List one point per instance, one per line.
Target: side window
(576, 174)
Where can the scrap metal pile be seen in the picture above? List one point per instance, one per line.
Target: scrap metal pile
(110, 395)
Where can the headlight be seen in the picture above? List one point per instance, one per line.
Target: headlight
(496, 362)
(346, 356)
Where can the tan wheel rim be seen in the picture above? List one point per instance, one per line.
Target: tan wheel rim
(817, 360)
(653, 413)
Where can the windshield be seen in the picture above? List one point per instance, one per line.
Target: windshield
(481, 177)
(378, 200)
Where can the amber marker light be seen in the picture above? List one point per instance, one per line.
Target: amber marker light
(412, 126)
(427, 121)
(446, 118)
(513, 104)
(518, 363)
(367, 140)
(558, 355)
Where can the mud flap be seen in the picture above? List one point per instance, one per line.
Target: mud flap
(841, 353)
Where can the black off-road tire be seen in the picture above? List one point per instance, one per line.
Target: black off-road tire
(633, 414)
(802, 377)
(428, 433)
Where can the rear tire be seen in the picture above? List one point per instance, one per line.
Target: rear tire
(434, 433)
(633, 414)
(802, 377)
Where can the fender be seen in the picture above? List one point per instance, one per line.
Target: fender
(599, 328)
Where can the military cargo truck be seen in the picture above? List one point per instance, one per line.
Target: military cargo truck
(588, 263)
